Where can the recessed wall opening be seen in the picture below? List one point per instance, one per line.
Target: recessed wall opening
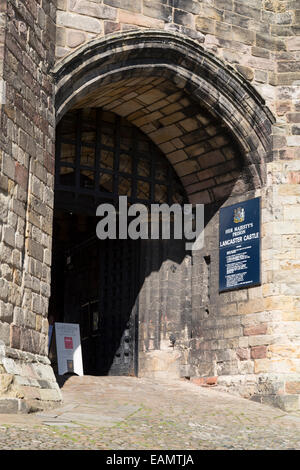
(150, 139)
(96, 283)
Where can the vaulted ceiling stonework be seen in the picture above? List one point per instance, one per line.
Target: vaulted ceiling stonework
(213, 127)
(202, 151)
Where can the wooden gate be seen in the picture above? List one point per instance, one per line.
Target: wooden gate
(101, 286)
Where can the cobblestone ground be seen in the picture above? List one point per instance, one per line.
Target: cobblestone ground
(113, 413)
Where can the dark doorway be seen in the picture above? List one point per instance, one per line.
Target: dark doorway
(99, 157)
(95, 283)
(100, 292)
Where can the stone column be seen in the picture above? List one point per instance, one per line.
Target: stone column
(164, 308)
(26, 193)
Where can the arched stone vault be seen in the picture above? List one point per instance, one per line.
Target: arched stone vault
(204, 117)
(248, 338)
(216, 131)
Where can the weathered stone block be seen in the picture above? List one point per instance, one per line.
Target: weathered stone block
(260, 340)
(9, 405)
(10, 366)
(35, 249)
(6, 312)
(31, 393)
(50, 395)
(9, 235)
(262, 365)
(184, 18)
(4, 333)
(255, 330)
(252, 306)
(238, 20)
(245, 10)
(88, 8)
(225, 5)
(293, 43)
(6, 381)
(246, 368)
(292, 387)
(247, 72)
(243, 354)
(130, 5)
(223, 31)
(75, 21)
(205, 25)
(259, 352)
(243, 35)
(75, 38)
(139, 20)
(287, 402)
(157, 10)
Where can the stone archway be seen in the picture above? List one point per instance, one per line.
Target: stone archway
(215, 130)
(183, 62)
(244, 337)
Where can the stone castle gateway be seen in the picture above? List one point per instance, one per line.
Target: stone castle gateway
(161, 101)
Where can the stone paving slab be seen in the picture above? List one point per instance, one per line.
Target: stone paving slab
(114, 413)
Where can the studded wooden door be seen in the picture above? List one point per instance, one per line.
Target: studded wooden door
(118, 307)
(102, 282)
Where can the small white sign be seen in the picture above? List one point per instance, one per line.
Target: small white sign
(68, 347)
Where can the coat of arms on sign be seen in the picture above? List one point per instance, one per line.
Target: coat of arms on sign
(239, 215)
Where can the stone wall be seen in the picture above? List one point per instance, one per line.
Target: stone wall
(248, 338)
(250, 333)
(27, 166)
(251, 36)
(164, 305)
(2, 36)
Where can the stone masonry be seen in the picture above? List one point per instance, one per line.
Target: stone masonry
(237, 59)
(27, 161)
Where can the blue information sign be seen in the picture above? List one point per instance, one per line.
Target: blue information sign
(239, 245)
